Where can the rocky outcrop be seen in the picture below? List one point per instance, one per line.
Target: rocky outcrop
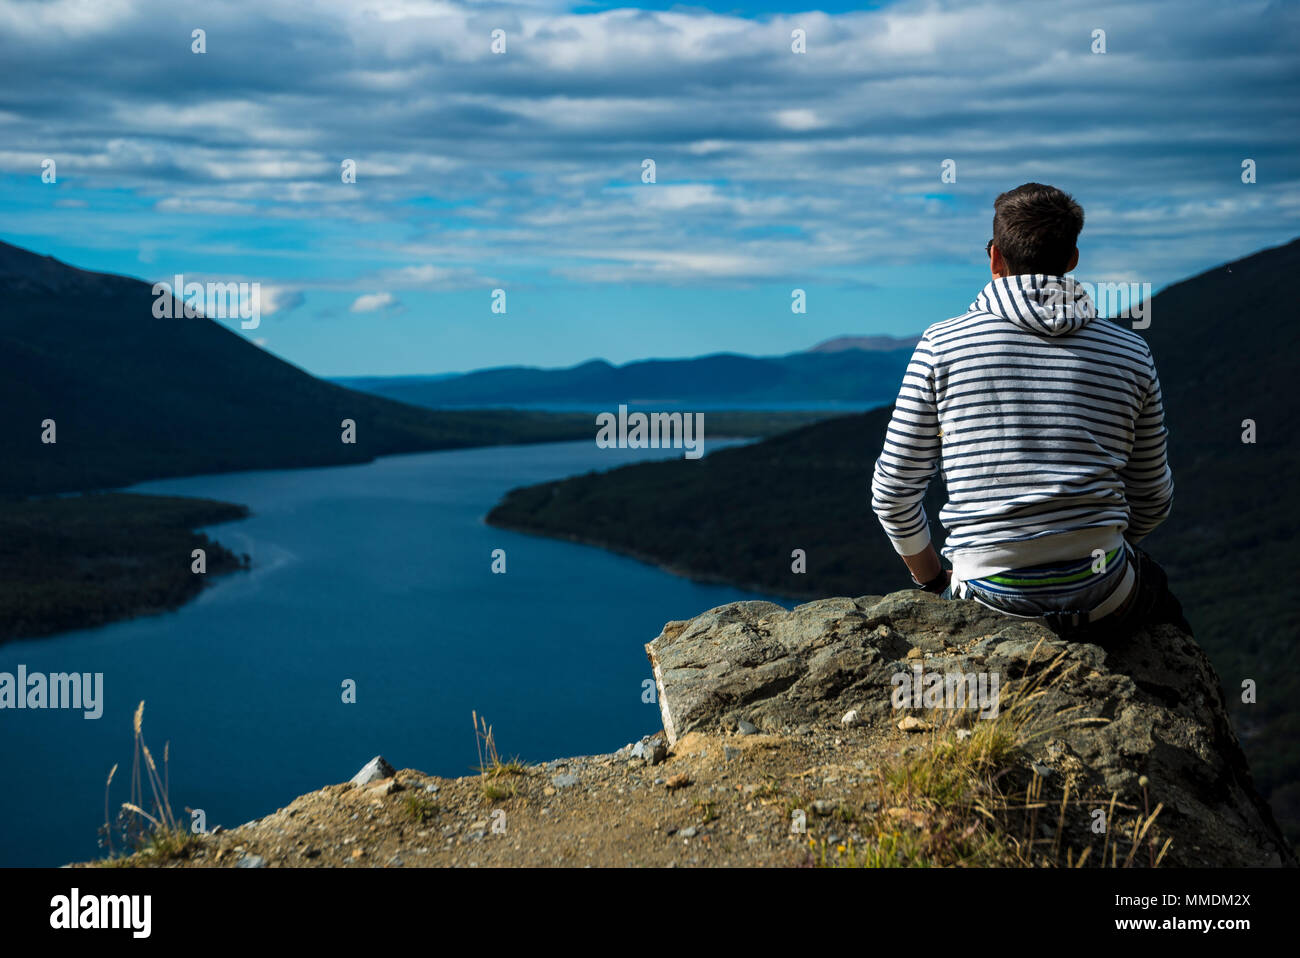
(791, 738)
(1144, 721)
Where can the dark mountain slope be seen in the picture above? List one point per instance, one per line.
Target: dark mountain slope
(136, 397)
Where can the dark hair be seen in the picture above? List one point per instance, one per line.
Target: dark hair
(1036, 228)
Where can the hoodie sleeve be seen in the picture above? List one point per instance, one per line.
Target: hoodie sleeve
(1148, 481)
(910, 457)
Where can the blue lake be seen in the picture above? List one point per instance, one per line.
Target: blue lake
(379, 573)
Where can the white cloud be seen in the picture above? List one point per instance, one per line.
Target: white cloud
(427, 276)
(373, 301)
(798, 119)
(270, 300)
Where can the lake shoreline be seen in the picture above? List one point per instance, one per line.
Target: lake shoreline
(682, 572)
(85, 561)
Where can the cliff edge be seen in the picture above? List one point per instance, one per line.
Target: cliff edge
(882, 730)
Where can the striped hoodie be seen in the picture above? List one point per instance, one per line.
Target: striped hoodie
(1046, 423)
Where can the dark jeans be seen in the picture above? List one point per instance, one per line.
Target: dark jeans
(1153, 604)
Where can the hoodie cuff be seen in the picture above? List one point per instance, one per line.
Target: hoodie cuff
(914, 543)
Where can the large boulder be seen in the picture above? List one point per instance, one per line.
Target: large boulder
(1144, 719)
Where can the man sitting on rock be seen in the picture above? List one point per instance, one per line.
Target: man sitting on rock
(1047, 424)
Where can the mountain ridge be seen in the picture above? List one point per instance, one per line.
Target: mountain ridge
(857, 376)
(134, 397)
(874, 343)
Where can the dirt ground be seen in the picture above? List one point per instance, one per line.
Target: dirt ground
(715, 800)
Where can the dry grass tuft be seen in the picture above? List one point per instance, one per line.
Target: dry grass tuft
(954, 805)
(149, 836)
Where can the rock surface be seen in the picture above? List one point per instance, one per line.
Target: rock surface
(1149, 708)
(373, 771)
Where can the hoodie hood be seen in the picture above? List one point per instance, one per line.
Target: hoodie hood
(1046, 305)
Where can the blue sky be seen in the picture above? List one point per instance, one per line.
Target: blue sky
(523, 170)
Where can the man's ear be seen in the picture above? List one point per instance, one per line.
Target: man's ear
(1074, 260)
(997, 266)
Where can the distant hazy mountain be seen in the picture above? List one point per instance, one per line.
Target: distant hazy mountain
(847, 375)
(871, 344)
(134, 397)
